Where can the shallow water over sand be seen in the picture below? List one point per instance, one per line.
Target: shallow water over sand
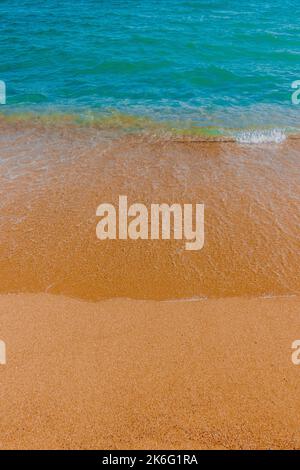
(53, 178)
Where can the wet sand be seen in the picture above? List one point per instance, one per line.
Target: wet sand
(124, 374)
(85, 372)
(53, 178)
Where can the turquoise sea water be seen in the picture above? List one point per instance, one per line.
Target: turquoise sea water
(223, 63)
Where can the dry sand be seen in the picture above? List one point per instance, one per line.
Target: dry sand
(147, 373)
(122, 374)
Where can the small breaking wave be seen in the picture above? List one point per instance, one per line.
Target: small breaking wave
(118, 122)
(261, 136)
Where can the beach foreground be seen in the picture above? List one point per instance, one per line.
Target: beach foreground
(128, 374)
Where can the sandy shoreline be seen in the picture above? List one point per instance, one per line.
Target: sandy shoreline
(54, 178)
(133, 374)
(123, 374)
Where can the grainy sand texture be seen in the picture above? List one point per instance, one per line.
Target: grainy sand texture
(156, 371)
(123, 374)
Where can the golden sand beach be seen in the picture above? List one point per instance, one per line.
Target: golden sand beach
(119, 357)
(128, 374)
(54, 177)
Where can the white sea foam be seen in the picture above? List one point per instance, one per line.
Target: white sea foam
(261, 136)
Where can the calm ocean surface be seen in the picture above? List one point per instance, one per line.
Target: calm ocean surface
(223, 63)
